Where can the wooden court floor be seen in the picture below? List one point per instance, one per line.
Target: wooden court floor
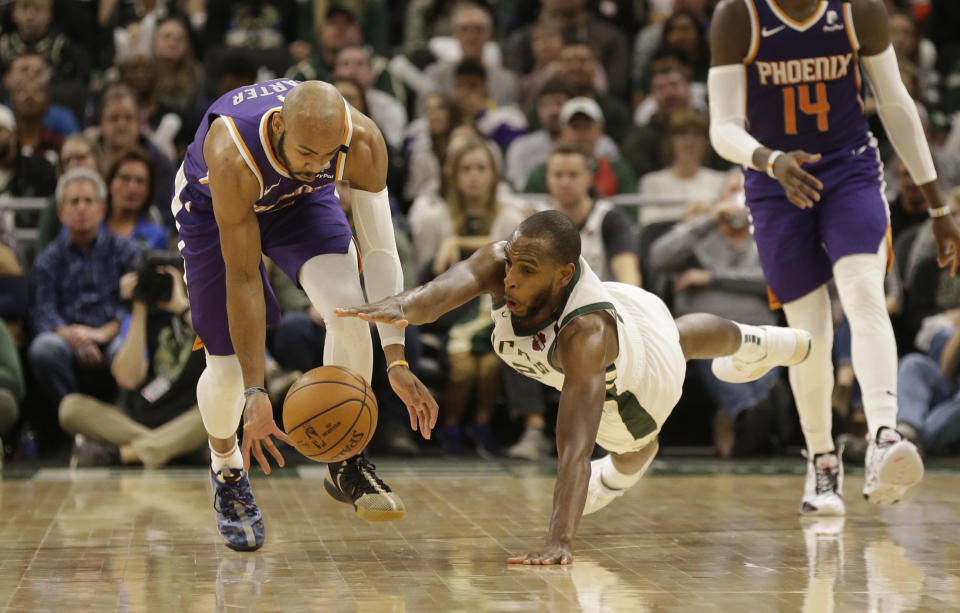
(102, 540)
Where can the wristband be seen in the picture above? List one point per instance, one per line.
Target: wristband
(942, 211)
(253, 390)
(771, 161)
(397, 363)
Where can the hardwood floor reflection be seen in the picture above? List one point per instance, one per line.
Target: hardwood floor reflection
(142, 541)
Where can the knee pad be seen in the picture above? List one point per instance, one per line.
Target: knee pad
(220, 395)
(860, 285)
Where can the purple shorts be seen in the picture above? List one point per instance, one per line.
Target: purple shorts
(314, 225)
(798, 247)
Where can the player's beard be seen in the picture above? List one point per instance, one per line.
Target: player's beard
(281, 153)
(537, 303)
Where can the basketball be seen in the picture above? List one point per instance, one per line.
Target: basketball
(330, 414)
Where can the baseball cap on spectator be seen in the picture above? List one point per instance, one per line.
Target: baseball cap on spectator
(340, 7)
(581, 105)
(6, 118)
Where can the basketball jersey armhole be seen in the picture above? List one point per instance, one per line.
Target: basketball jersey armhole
(244, 151)
(345, 145)
(851, 29)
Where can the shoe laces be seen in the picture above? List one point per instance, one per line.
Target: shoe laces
(227, 498)
(356, 476)
(887, 437)
(826, 473)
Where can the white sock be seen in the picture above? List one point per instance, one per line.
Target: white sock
(873, 346)
(616, 480)
(231, 459)
(812, 380)
(751, 343)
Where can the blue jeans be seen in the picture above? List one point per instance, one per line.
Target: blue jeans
(732, 398)
(929, 401)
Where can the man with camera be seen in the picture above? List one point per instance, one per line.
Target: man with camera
(716, 269)
(156, 418)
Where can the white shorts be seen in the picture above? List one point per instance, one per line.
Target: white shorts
(653, 362)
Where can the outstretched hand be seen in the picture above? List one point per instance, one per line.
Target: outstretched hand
(555, 554)
(420, 403)
(258, 427)
(386, 311)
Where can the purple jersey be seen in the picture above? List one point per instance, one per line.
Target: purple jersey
(803, 79)
(247, 112)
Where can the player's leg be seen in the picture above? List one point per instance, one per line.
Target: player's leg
(312, 243)
(749, 352)
(613, 474)
(220, 386)
(893, 464)
(332, 280)
(854, 224)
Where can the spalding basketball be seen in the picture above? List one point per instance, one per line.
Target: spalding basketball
(330, 414)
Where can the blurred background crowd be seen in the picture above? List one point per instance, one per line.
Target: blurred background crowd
(491, 110)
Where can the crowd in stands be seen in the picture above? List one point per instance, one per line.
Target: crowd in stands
(491, 109)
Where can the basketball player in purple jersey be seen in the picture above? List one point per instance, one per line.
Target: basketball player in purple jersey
(258, 178)
(786, 102)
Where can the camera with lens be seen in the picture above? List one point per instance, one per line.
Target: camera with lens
(154, 285)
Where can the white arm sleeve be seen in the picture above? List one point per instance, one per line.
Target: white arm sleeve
(899, 115)
(726, 89)
(378, 247)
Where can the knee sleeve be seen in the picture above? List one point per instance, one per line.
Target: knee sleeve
(333, 280)
(872, 343)
(220, 395)
(812, 380)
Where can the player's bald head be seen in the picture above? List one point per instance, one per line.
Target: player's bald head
(309, 129)
(315, 108)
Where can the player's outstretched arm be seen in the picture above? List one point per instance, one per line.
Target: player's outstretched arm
(584, 349)
(898, 113)
(234, 190)
(481, 273)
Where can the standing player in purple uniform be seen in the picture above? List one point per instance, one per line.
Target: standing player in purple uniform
(258, 179)
(785, 93)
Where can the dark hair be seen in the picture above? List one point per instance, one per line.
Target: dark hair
(568, 149)
(703, 47)
(239, 64)
(363, 93)
(131, 155)
(556, 86)
(470, 68)
(558, 230)
(667, 52)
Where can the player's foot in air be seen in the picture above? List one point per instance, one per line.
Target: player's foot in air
(893, 465)
(238, 518)
(598, 494)
(776, 346)
(823, 488)
(354, 481)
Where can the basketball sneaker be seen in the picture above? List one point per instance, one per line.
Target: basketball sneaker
(823, 488)
(893, 464)
(776, 346)
(353, 481)
(598, 494)
(238, 518)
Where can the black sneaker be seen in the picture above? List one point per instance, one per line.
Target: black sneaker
(238, 518)
(87, 453)
(354, 481)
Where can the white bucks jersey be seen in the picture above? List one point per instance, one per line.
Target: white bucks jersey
(642, 385)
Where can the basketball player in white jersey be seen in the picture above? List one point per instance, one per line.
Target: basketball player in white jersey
(613, 350)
